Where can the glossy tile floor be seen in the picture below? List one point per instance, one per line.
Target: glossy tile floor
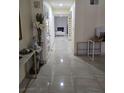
(99, 61)
(65, 73)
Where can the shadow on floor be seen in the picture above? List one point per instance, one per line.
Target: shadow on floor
(99, 62)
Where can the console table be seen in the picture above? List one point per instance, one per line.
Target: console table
(26, 58)
(22, 62)
(92, 48)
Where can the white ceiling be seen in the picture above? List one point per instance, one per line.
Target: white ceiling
(55, 4)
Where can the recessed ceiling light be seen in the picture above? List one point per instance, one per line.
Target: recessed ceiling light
(61, 60)
(61, 5)
(62, 84)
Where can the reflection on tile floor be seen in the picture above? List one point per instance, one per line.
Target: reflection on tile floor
(99, 62)
(65, 73)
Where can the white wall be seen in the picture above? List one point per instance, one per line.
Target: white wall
(72, 10)
(49, 29)
(87, 17)
(61, 22)
(51, 26)
(26, 25)
(61, 11)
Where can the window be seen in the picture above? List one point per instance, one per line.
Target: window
(94, 2)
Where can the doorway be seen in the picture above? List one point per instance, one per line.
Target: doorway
(61, 26)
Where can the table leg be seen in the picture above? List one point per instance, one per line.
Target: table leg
(88, 48)
(35, 65)
(93, 51)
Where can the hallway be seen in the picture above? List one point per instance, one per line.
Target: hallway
(65, 73)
